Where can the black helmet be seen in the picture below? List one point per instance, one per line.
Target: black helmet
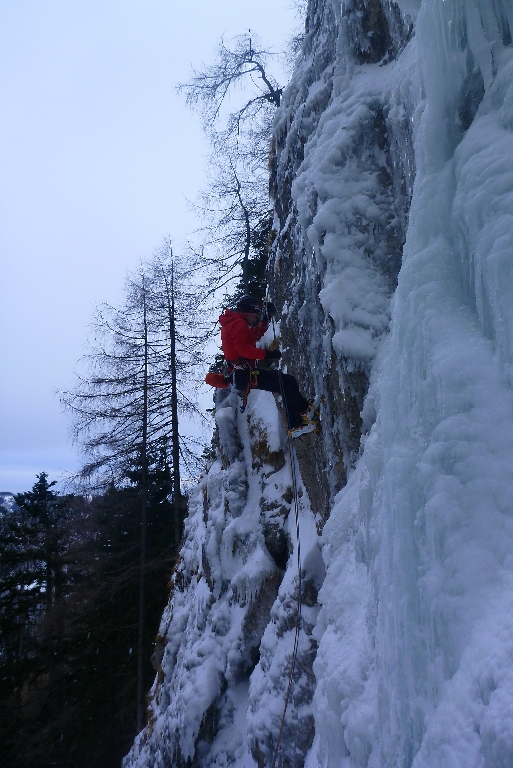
(248, 304)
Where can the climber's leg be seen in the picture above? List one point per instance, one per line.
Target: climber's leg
(296, 404)
(275, 381)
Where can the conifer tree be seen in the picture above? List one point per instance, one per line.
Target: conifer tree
(37, 578)
(126, 407)
(32, 544)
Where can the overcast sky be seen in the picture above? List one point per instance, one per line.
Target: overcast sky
(98, 155)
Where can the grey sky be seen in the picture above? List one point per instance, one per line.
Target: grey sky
(98, 155)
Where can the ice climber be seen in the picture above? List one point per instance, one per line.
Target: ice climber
(240, 330)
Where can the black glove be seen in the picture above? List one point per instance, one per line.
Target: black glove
(270, 310)
(272, 354)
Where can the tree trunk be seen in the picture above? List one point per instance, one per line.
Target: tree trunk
(247, 233)
(175, 436)
(141, 689)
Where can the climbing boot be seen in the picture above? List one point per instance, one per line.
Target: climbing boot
(313, 409)
(303, 429)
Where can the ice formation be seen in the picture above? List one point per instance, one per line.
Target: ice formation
(393, 186)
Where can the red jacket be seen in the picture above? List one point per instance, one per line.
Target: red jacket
(238, 339)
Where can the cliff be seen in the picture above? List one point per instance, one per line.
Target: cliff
(392, 180)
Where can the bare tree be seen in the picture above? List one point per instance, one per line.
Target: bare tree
(176, 311)
(237, 97)
(245, 61)
(124, 399)
(232, 208)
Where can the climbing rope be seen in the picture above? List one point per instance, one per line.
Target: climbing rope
(267, 301)
(292, 453)
(292, 456)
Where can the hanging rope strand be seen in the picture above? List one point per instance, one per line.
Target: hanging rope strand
(292, 456)
(269, 269)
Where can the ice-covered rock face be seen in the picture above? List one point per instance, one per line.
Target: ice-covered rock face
(226, 640)
(342, 181)
(409, 7)
(416, 602)
(392, 181)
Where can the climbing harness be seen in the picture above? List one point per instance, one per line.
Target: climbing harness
(243, 364)
(292, 456)
(252, 384)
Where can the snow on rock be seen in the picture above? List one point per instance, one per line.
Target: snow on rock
(271, 678)
(340, 219)
(234, 582)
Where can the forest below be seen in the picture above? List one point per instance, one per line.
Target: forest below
(69, 624)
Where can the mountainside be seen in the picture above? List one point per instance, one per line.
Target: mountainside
(392, 180)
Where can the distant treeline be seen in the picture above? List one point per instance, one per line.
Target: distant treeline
(69, 587)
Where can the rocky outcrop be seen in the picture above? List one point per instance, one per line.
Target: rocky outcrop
(226, 640)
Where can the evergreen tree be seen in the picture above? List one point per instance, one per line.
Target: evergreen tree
(69, 680)
(106, 661)
(37, 577)
(32, 573)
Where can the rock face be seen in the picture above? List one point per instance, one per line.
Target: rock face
(392, 183)
(342, 174)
